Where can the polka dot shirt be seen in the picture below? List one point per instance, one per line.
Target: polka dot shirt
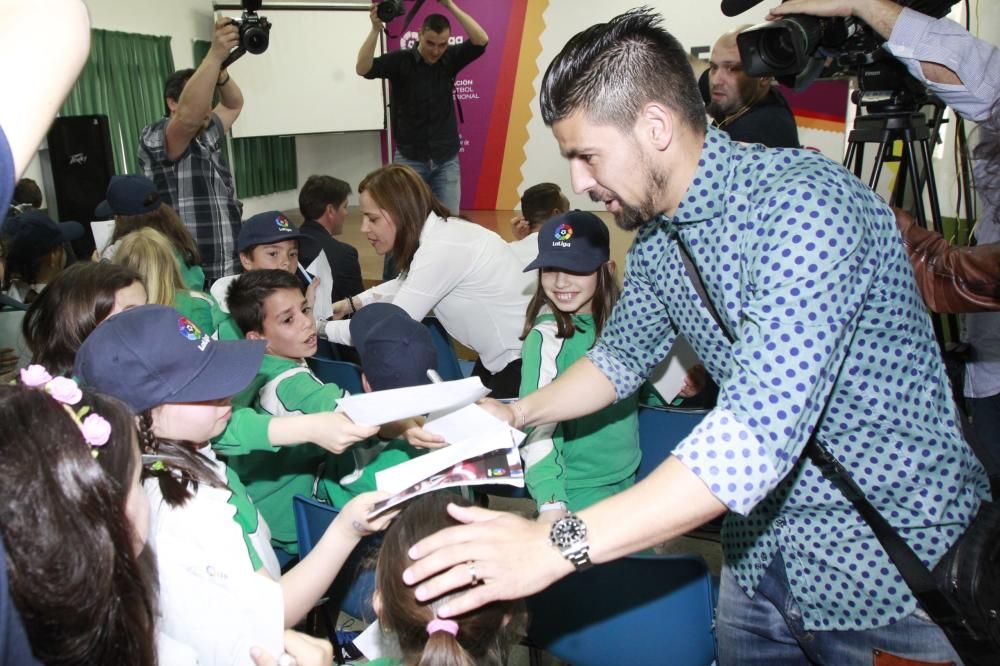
(808, 273)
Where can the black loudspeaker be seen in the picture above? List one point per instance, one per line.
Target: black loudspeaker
(82, 165)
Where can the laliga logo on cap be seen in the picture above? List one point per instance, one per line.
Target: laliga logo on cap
(188, 329)
(563, 233)
(282, 223)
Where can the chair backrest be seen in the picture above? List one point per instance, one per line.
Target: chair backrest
(345, 375)
(353, 587)
(447, 361)
(660, 431)
(636, 610)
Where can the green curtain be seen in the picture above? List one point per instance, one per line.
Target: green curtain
(261, 164)
(123, 79)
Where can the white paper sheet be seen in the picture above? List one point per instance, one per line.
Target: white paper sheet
(387, 406)
(465, 423)
(668, 377)
(375, 643)
(102, 230)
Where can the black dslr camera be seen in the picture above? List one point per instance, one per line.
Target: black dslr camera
(389, 9)
(255, 32)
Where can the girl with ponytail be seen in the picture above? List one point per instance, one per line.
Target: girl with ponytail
(483, 637)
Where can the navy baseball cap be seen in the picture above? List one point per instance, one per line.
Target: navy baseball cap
(129, 195)
(153, 355)
(396, 351)
(264, 228)
(576, 241)
(34, 234)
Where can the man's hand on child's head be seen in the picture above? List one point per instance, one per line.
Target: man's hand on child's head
(336, 433)
(354, 519)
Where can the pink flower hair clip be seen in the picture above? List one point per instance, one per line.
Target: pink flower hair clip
(95, 429)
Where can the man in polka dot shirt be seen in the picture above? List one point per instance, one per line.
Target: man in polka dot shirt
(806, 269)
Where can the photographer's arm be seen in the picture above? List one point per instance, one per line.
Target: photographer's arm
(366, 55)
(475, 31)
(230, 100)
(881, 15)
(37, 85)
(195, 103)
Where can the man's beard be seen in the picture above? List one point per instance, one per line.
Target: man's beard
(629, 217)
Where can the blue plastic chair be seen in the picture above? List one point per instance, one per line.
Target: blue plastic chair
(636, 610)
(447, 361)
(353, 587)
(660, 431)
(345, 375)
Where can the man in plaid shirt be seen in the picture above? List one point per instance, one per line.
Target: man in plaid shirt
(182, 153)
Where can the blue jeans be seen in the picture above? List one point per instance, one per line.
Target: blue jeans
(444, 178)
(768, 630)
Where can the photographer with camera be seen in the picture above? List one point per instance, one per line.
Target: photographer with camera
(422, 78)
(182, 153)
(965, 73)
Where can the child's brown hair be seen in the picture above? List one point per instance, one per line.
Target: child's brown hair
(484, 636)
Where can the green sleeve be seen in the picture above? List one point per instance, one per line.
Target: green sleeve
(303, 392)
(245, 432)
(196, 309)
(544, 469)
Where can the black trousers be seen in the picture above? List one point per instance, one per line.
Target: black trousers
(503, 384)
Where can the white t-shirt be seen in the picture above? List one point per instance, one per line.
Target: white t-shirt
(211, 598)
(472, 281)
(526, 249)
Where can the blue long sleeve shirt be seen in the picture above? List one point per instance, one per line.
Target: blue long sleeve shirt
(807, 271)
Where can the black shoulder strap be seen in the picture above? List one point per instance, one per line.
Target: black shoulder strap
(917, 576)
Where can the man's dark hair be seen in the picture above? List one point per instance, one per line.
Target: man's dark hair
(538, 202)
(247, 293)
(175, 85)
(27, 192)
(318, 192)
(611, 70)
(436, 23)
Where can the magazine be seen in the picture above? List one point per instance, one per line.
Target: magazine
(482, 450)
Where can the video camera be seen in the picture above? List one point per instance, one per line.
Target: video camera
(255, 31)
(794, 49)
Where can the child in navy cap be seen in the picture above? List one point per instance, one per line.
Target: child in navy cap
(270, 241)
(571, 465)
(219, 579)
(35, 252)
(134, 202)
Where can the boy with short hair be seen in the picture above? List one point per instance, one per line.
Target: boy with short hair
(539, 203)
(270, 305)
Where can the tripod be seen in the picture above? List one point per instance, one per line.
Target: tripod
(915, 173)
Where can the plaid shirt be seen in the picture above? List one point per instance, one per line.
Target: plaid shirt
(200, 187)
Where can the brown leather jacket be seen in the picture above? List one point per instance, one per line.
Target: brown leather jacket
(951, 279)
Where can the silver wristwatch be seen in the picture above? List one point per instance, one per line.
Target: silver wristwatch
(569, 535)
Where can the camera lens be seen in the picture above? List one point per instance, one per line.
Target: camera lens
(255, 41)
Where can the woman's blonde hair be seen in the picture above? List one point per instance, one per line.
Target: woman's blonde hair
(151, 255)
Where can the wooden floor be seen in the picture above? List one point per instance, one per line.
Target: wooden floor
(495, 220)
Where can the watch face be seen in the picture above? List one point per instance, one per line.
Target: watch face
(567, 531)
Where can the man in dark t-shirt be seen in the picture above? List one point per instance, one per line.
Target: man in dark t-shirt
(748, 108)
(423, 110)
